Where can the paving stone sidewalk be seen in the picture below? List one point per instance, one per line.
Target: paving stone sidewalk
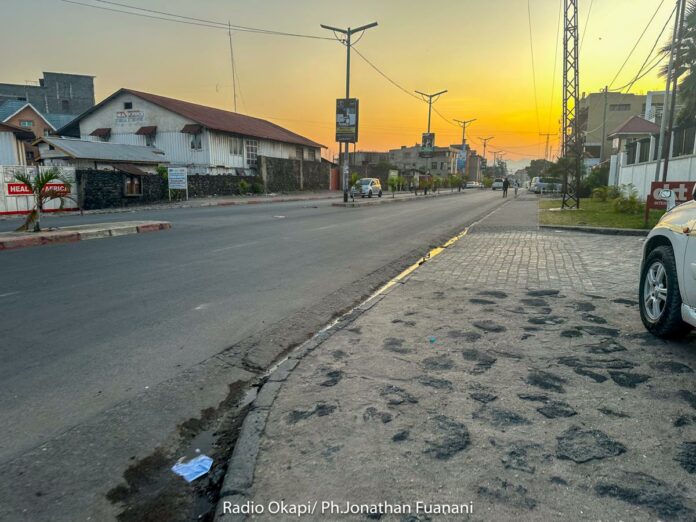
(511, 372)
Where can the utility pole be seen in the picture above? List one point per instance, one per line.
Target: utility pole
(547, 151)
(485, 143)
(675, 78)
(572, 141)
(348, 33)
(665, 100)
(463, 124)
(430, 102)
(234, 75)
(604, 124)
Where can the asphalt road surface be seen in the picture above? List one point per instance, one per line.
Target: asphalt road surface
(89, 326)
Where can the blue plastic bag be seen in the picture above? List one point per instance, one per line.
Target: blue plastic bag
(194, 468)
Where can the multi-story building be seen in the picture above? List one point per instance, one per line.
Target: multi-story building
(619, 108)
(439, 163)
(55, 93)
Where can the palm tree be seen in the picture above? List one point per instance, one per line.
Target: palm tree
(685, 67)
(42, 193)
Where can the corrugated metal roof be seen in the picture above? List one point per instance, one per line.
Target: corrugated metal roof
(104, 151)
(637, 125)
(9, 107)
(209, 117)
(59, 120)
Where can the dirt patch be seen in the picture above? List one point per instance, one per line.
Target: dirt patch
(470, 337)
(580, 445)
(688, 397)
(591, 362)
(643, 490)
(570, 334)
(671, 367)
(441, 362)
(489, 326)
(535, 302)
(628, 380)
(556, 409)
(546, 381)
(483, 397)
(481, 301)
(395, 345)
(500, 418)
(596, 377)
(522, 455)
(373, 413)
(333, 377)
(320, 410)
(502, 491)
(401, 436)
(483, 361)
(605, 346)
(591, 318)
(532, 397)
(613, 413)
(434, 382)
(582, 306)
(493, 293)
(598, 330)
(544, 293)
(396, 396)
(685, 420)
(453, 437)
(686, 457)
(552, 320)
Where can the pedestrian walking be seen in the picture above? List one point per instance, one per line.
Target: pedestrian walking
(506, 186)
(516, 184)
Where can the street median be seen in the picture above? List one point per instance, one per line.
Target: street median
(16, 240)
(400, 198)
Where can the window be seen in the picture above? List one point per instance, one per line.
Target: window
(236, 146)
(26, 123)
(631, 153)
(620, 107)
(133, 186)
(51, 147)
(150, 140)
(644, 150)
(252, 147)
(127, 105)
(684, 142)
(299, 153)
(311, 155)
(196, 141)
(433, 165)
(65, 106)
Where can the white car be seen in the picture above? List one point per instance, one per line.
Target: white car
(497, 184)
(668, 273)
(367, 187)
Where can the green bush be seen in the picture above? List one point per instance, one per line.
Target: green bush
(600, 194)
(354, 177)
(487, 182)
(628, 202)
(243, 187)
(257, 188)
(393, 183)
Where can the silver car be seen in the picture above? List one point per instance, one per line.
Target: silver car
(367, 187)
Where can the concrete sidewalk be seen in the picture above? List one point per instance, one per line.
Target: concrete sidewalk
(508, 377)
(15, 240)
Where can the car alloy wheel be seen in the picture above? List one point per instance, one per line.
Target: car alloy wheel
(655, 291)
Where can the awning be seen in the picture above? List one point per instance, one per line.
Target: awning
(192, 128)
(103, 132)
(146, 131)
(130, 169)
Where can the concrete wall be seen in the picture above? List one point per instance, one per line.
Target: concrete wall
(642, 174)
(11, 150)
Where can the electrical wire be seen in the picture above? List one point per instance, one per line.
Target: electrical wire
(555, 66)
(531, 48)
(587, 21)
(637, 42)
(383, 75)
(181, 19)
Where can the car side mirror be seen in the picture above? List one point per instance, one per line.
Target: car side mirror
(668, 196)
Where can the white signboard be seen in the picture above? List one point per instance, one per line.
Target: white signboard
(178, 180)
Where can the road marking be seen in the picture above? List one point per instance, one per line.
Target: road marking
(238, 245)
(8, 294)
(279, 217)
(323, 228)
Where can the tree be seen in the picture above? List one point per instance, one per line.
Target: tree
(538, 167)
(393, 182)
(40, 187)
(685, 62)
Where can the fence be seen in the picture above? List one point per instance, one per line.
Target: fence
(14, 196)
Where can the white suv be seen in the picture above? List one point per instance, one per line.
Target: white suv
(668, 273)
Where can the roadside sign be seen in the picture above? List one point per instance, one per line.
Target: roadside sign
(682, 191)
(20, 189)
(178, 180)
(427, 145)
(347, 120)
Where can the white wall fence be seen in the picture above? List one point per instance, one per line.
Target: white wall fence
(641, 175)
(12, 199)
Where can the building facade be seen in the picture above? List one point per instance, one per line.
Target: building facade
(408, 159)
(54, 93)
(204, 139)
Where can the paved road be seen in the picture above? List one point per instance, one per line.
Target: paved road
(90, 325)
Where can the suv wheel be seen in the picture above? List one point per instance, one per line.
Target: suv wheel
(380, 194)
(659, 297)
(369, 194)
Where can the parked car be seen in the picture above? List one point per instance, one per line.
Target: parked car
(473, 184)
(540, 185)
(667, 291)
(367, 187)
(497, 184)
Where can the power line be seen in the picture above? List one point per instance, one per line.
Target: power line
(531, 48)
(383, 75)
(181, 19)
(637, 42)
(587, 20)
(555, 65)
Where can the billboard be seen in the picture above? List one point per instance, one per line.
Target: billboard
(461, 160)
(347, 120)
(20, 189)
(682, 192)
(427, 145)
(178, 178)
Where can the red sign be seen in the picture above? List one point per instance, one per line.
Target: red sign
(20, 189)
(683, 191)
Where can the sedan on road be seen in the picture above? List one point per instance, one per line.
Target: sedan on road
(497, 184)
(367, 187)
(667, 288)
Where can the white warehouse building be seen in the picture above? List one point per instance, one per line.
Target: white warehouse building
(204, 139)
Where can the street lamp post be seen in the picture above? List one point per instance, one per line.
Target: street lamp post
(348, 32)
(430, 102)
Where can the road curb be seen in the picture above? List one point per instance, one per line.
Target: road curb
(239, 477)
(386, 200)
(598, 230)
(81, 233)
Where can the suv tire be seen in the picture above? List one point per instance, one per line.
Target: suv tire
(369, 194)
(668, 323)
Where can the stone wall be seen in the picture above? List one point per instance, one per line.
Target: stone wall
(289, 175)
(106, 189)
(202, 185)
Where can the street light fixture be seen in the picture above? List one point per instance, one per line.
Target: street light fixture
(348, 32)
(430, 102)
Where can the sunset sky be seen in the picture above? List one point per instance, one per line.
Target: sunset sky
(478, 50)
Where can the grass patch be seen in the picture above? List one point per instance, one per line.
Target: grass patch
(593, 214)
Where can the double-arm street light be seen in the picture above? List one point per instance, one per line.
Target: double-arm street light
(463, 124)
(430, 102)
(347, 42)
